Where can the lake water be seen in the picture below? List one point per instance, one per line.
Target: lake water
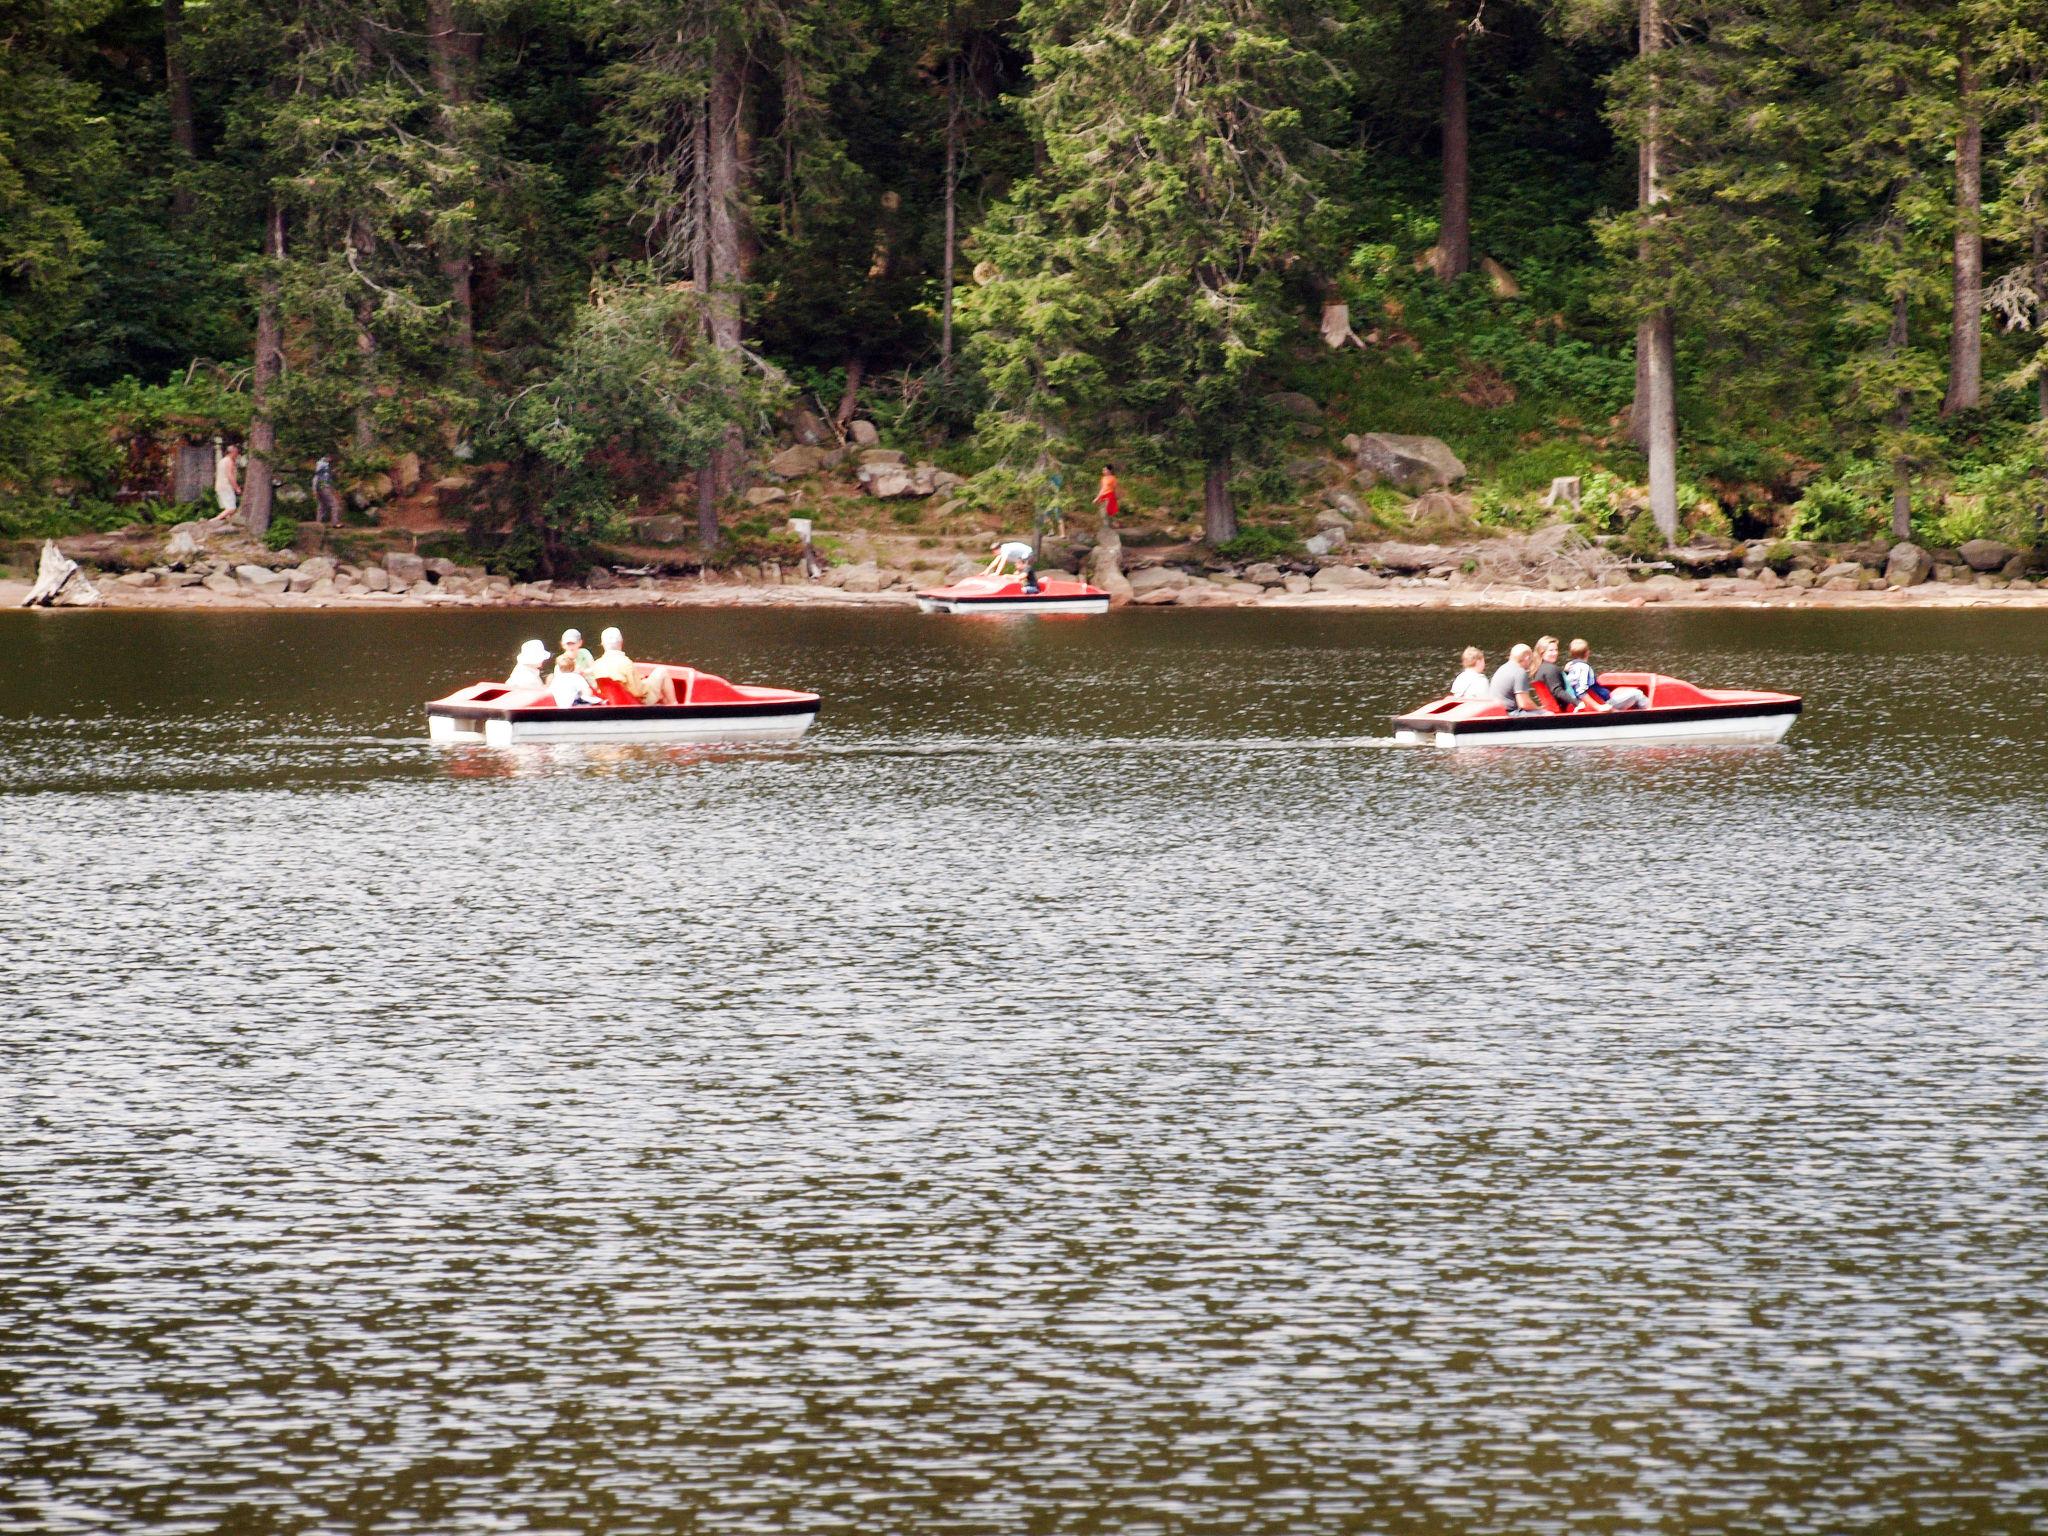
(1092, 1084)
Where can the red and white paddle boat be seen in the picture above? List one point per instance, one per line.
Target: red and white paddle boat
(1677, 711)
(707, 709)
(1006, 594)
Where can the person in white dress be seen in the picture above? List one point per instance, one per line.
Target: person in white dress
(227, 482)
(527, 674)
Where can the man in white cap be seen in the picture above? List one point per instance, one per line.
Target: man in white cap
(532, 657)
(656, 688)
(578, 653)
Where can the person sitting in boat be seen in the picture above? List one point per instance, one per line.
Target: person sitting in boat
(1547, 676)
(616, 666)
(1585, 682)
(578, 653)
(1470, 685)
(569, 685)
(532, 657)
(1511, 683)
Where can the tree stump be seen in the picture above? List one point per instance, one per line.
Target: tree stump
(60, 583)
(1563, 492)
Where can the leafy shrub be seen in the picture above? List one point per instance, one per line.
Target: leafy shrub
(281, 533)
(1641, 537)
(1831, 512)
(1263, 542)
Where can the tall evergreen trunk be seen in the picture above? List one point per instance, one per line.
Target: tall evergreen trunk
(1656, 408)
(178, 94)
(726, 256)
(2041, 306)
(849, 397)
(1966, 329)
(1219, 517)
(360, 244)
(952, 210)
(454, 54)
(1902, 418)
(259, 484)
(1454, 240)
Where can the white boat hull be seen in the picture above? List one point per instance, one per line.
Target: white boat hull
(512, 732)
(1088, 605)
(1751, 729)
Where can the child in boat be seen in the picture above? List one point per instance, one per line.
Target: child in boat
(1009, 552)
(1470, 685)
(568, 685)
(1583, 681)
(532, 657)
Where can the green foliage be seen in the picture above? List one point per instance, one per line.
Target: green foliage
(282, 533)
(1641, 537)
(1260, 542)
(1833, 511)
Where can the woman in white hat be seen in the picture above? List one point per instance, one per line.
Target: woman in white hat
(532, 657)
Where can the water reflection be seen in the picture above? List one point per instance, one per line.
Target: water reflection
(1087, 1085)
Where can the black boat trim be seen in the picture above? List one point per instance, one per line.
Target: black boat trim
(1509, 725)
(753, 710)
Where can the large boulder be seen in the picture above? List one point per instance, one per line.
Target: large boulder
(404, 569)
(191, 543)
(804, 459)
(866, 577)
(1907, 565)
(872, 456)
(764, 495)
(60, 583)
(1103, 566)
(863, 434)
(1986, 554)
(807, 427)
(890, 482)
(1842, 570)
(1328, 542)
(1411, 464)
(261, 578)
(1343, 578)
(1330, 517)
(1157, 578)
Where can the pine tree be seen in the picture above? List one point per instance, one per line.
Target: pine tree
(1144, 267)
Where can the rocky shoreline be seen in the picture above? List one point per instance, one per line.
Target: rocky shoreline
(207, 566)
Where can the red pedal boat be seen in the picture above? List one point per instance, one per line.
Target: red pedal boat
(1006, 594)
(707, 709)
(1678, 711)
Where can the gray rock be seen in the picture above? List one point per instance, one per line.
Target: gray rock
(804, 459)
(599, 578)
(1343, 578)
(317, 566)
(422, 588)
(1295, 406)
(1103, 567)
(261, 578)
(404, 569)
(2015, 568)
(1345, 502)
(137, 579)
(1840, 583)
(1158, 597)
(1264, 574)
(440, 568)
(765, 495)
(807, 426)
(376, 579)
(1297, 584)
(881, 456)
(1802, 579)
(1411, 464)
(188, 543)
(889, 482)
(1328, 542)
(1330, 517)
(865, 577)
(182, 579)
(960, 570)
(1986, 554)
(1157, 578)
(324, 587)
(1907, 565)
(299, 581)
(863, 434)
(1767, 578)
(226, 585)
(1842, 570)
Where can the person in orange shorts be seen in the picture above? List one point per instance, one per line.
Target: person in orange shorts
(1106, 496)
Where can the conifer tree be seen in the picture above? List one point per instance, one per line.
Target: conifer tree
(1143, 268)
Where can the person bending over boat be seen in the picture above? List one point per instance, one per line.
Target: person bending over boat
(532, 657)
(616, 665)
(1009, 553)
(1580, 676)
(1511, 683)
(570, 686)
(1470, 686)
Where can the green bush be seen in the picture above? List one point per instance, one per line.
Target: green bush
(1260, 543)
(1641, 537)
(282, 533)
(1832, 512)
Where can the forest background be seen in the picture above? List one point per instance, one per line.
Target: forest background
(1743, 265)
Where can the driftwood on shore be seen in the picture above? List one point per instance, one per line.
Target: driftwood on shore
(60, 583)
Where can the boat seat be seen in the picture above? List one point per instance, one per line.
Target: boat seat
(612, 691)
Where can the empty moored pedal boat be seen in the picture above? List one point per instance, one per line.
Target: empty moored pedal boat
(707, 709)
(1006, 594)
(1677, 711)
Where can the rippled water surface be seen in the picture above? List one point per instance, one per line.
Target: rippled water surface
(1091, 1084)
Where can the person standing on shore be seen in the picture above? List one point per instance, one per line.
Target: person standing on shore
(326, 501)
(227, 482)
(1106, 496)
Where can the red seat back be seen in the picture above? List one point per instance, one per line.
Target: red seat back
(612, 691)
